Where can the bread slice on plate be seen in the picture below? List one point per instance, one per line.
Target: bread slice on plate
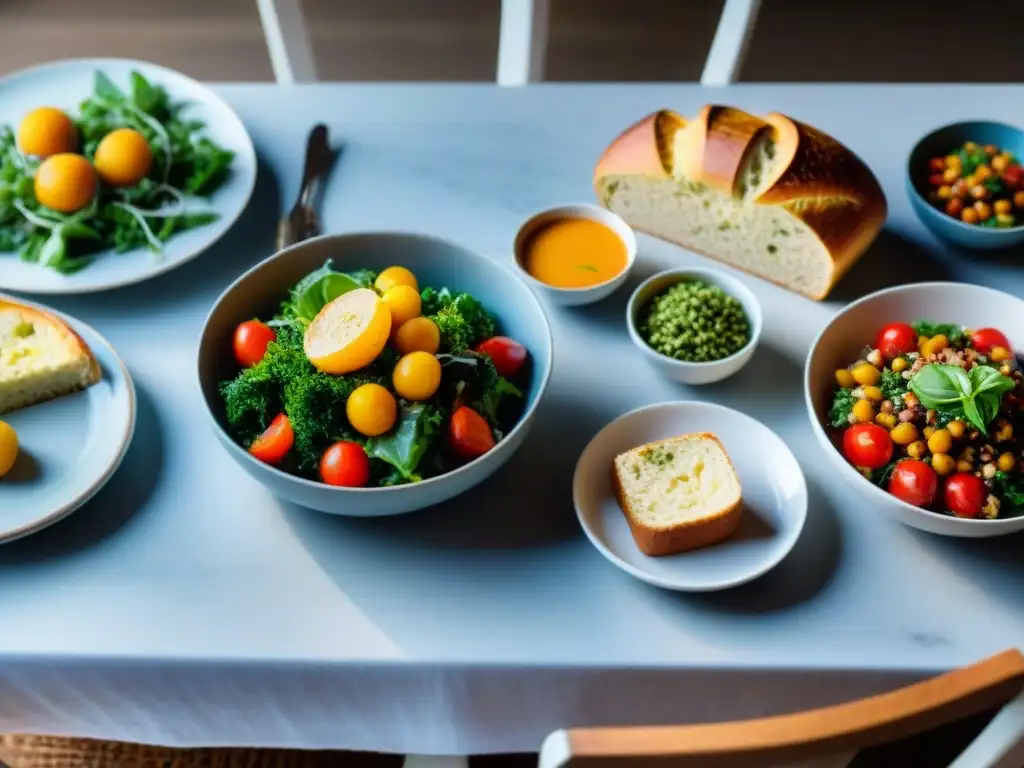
(767, 194)
(41, 357)
(678, 494)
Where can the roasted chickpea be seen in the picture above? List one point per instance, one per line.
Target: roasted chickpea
(928, 432)
(874, 394)
(1005, 219)
(971, 180)
(1000, 161)
(1002, 206)
(934, 345)
(969, 216)
(902, 434)
(978, 192)
(1004, 433)
(941, 441)
(845, 379)
(999, 354)
(945, 192)
(917, 449)
(956, 429)
(863, 412)
(887, 420)
(943, 463)
(984, 210)
(1005, 369)
(866, 374)
(910, 400)
(962, 465)
(950, 175)
(899, 365)
(970, 147)
(958, 188)
(1006, 462)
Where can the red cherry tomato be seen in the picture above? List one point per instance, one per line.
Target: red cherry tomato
(914, 482)
(965, 494)
(937, 164)
(867, 445)
(275, 442)
(346, 464)
(469, 434)
(896, 339)
(984, 339)
(1013, 175)
(251, 339)
(507, 355)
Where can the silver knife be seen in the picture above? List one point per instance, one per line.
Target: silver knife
(302, 222)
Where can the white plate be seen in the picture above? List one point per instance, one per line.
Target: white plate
(69, 446)
(66, 84)
(774, 497)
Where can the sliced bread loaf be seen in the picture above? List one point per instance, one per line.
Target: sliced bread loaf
(41, 357)
(678, 494)
(768, 195)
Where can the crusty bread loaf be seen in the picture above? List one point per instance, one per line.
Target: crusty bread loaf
(768, 195)
(41, 357)
(678, 494)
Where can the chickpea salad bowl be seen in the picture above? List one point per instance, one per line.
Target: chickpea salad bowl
(928, 415)
(377, 383)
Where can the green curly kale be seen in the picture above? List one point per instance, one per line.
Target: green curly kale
(842, 406)
(461, 319)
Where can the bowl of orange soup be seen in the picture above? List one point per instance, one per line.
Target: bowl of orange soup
(575, 254)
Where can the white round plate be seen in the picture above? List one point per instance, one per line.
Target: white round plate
(774, 497)
(70, 446)
(66, 84)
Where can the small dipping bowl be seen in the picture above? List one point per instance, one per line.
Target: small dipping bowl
(588, 294)
(940, 143)
(684, 371)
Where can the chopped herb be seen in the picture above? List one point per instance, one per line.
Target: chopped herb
(586, 267)
(659, 457)
(23, 330)
(881, 476)
(772, 248)
(724, 226)
(955, 333)
(893, 385)
(1011, 488)
(842, 406)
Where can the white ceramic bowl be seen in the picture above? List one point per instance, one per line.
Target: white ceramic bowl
(842, 342)
(571, 297)
(680, 370)
(773, 485)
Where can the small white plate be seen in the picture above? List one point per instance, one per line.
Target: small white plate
(774, 497)
(65, 84)
(70, 446)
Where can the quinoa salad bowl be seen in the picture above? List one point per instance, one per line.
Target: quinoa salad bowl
(916, 395)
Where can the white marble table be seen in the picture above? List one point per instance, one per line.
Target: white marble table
(186, 606)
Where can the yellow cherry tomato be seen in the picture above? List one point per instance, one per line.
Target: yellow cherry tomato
(8, 447)
(404, 303)
(348, 333)
(371, 410)
(417, 376)
(123, 158)
(418, 335)
(393, 276)
(47, 131)
(65, 183)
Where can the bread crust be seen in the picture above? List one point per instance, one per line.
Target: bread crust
(816, 178)
(691, 534)
(75, 343)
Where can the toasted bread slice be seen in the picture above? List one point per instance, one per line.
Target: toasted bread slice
(41, 358)
(678, 494)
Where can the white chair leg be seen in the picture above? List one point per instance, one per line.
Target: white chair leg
(730, 44)
(291, 53)
(435, 761)
(1001, 744)
(523, 41)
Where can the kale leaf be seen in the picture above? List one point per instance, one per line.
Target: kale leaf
(461, 319)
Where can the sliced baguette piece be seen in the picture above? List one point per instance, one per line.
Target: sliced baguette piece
(678, 494)
(41, 357)
(768, 195)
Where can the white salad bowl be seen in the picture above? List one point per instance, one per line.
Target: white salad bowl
(681, 370)
(843, 341)
(574, 297)
(435, 262)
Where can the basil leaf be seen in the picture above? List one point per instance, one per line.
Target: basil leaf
(935, 386)
(974, 416)
(988, 406)
(984, 378)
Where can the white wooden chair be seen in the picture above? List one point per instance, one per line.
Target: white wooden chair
(522, 43)
(831, 736)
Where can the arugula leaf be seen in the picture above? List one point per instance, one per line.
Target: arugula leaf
(144, 96)
(104, 88)
(405, 445)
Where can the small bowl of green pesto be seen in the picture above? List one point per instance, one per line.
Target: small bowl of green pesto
(696, 326)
